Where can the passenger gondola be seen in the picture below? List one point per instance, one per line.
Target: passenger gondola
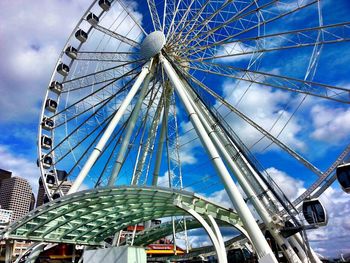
(50, 178)
(46, 161)
(51, 105)
(56, 87)
(343, 176)
(105, 5)
(47, 124)
(71, 52)
(314, 212)
(92, 19)
(63, 69)
(46, 142)
(81, 35)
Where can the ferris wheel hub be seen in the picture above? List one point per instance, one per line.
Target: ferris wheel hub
(152, 44)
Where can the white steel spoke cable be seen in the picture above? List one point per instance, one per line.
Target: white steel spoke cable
(140, 156)
(222, 41)
(184, 22)
(276, 81)
(125, 7)
(256, 126)
(93, 75)
(170, 30)
(291, 39)
(209, 19)
(113, 81)
(84, 122)
(83, 155)
(192, 23)
(237, 17)
(154, 15)
(113, 152)
(88, 135)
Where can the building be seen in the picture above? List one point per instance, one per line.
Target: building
(41, 194)
(4, 175)
(15, 195)
(5, 217)
(64, 186)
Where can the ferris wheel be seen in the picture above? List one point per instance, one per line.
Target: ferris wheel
(139, 88)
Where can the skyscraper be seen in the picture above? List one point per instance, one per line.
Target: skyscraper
(4, 175)
(15, 195)
(41, 199)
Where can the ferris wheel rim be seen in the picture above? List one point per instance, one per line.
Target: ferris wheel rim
(156, 26)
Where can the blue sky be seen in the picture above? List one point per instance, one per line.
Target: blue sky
(33, 34)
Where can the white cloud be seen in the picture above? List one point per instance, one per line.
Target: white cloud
(20, 166)
(264, 106)
(33, 33)
(188, 143)
(220, 197)
(290, 186)
(331, 125)
(231, 52)
(331, 239)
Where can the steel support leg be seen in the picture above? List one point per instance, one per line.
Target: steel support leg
(221, 256)
(108, 132)
(217, 232)
(261, 246)
(247, 188)
(129, 129)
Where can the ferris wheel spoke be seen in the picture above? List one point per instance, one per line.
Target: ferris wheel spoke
(274, 16)
(202, 25)
(90, 95)
(117, 36)
(130, 73)
(88, 149)
(239, 17)
(172, 14)
(330, 34)
(187, 21)
(82, 139)
(100, 76)
(108, 56)
(327, 175)
(125, 7)
(191, 23)
(241, 115)
(88, 118)
(154, 15)
(276, 81)
(145, 141)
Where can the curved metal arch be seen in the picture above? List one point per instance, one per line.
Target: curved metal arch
(75, 218)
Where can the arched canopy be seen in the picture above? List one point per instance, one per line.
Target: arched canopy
(89, 217)
(155, 233)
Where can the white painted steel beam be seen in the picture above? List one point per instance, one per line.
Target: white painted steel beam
(129, 129)
(261, 246)
(235, 169)
(221, 256)
(108, 132)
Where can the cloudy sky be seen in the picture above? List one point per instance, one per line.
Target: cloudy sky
(33, 33)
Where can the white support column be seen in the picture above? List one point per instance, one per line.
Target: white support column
(108, 132)
(221, 257)
(217, 232)
(262, 248)
(163, 132)
(247, 188)
(129, 129)
(314, 257)
(34, 254)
